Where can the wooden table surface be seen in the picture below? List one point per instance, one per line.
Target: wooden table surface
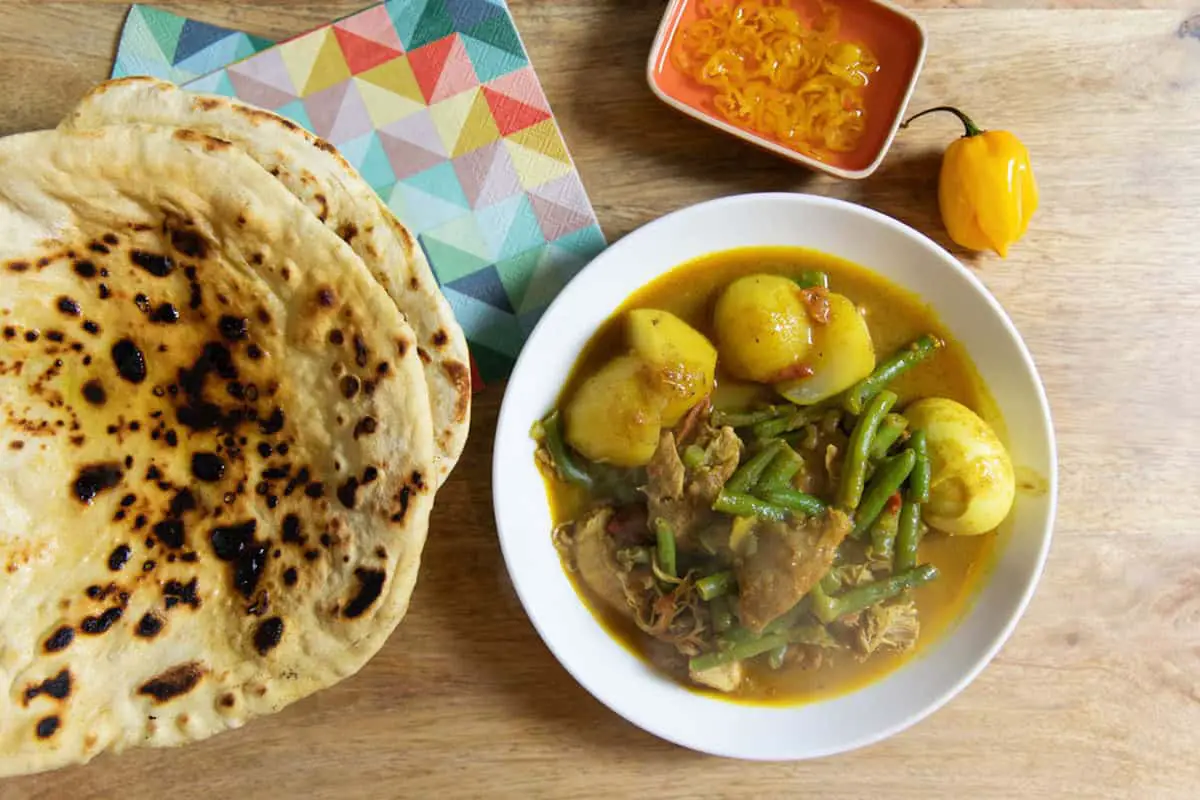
(1098, 692)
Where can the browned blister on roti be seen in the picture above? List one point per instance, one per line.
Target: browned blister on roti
(198, 522)
(337, 195)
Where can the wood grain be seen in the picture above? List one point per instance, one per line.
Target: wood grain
(1098, 692)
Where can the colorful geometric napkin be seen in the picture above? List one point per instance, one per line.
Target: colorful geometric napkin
(436, 104)
(177, 49)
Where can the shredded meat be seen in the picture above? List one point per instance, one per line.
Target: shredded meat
(894, 626)
(665, 473)
(783, 561)
(664, 488)
(594, 559)
(683, 498)
(721, 456)
(628, 526)
(821, 446)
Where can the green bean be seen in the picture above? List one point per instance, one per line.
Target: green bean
(812, 634)
(693, 456)
(722, 614)
(756, 646)
(830, 583)
(564, 462)
(747, 474)
(858, 395)
(737, 652)
(907, 534)
(716, 585)
(883, 535)
(854, 467)
(922, 474)
(775, 657)
(790, 618)
(665, 539)
(736, 635)
(744, 505)
(891, 428)
(887, 480)
(794, 500)
(821, 596)
(812, 279)
(853, 600)
(777, 426)
(781, 470)
(787, 624)
(744, 419)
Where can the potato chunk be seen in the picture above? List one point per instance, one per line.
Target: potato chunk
(762, 327)
(616, 415)
(723, 677)
(685, 359)
(842, 355)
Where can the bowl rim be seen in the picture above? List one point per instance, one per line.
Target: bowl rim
(506, 420)
(656, 53)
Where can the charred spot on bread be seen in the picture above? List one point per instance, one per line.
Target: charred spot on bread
(93, 479)
(60, 639)
(267, 635)
(157, 264)
(175, 592)
(149, 625)
(174, 682)
(57, 687)
(101, 623)
(370, 586)
(47, 726)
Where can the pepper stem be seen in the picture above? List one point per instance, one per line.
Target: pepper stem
(972, 128)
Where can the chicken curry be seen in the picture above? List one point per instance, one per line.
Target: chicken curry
(773, 474)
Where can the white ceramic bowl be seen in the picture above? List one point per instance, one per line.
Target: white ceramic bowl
(623, 682)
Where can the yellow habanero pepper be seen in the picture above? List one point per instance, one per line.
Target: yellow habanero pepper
(986, 190)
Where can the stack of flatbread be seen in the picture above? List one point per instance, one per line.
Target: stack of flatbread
(229, 390)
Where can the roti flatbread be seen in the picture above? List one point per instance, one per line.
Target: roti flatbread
(315, 172)
(216, 468)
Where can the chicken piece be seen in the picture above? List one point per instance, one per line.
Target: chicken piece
(851, 575)
(595, 559)
(665, 473)
(629, 526)
(722, 452)
(683, 498)
(895, 626)
(783, 561)
(821, 447)
(723, 678)
(664, 490)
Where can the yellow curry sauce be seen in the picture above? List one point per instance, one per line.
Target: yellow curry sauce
(894, 317)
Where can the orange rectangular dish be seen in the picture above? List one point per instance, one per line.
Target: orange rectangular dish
(824, 83)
